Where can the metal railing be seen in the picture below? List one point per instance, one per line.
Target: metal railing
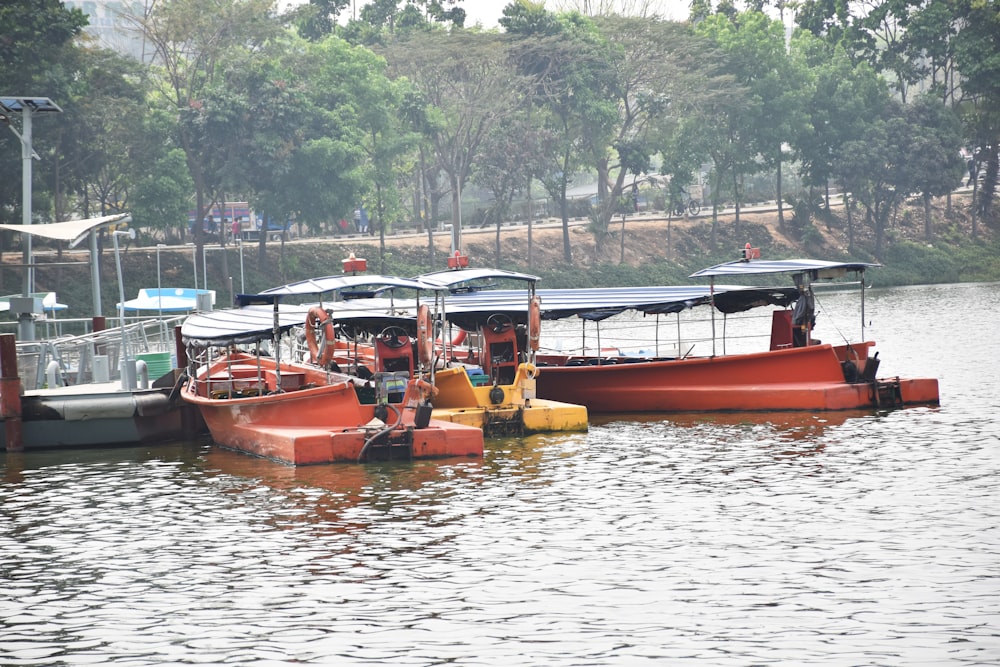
(91, 357)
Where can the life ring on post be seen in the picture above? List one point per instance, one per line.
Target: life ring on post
(317, 318)
(459, 337)
(425, 342)
(534, 322)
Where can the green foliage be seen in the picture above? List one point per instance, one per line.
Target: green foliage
(161, 196)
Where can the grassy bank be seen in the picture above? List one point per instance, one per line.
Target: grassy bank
(654, 250)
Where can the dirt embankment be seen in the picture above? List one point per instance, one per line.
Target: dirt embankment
(654, 237)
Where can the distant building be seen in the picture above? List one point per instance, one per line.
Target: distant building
(109, 27)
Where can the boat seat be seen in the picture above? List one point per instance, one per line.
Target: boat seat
(394, 351)
(500, 352)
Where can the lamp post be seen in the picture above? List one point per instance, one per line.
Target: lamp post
(27, 107)
(127, 374)
(159, 288)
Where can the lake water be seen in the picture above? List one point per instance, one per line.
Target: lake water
(835, 539)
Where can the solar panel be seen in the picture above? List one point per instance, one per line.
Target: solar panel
(33, 104)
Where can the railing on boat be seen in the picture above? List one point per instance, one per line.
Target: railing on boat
(93, 356)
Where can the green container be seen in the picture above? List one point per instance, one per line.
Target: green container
(157, 363)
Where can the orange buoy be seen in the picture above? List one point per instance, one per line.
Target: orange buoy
(425, 342)
(534, 322)
(317, 318)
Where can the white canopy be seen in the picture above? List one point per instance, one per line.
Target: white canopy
(49, 302)
(167, 298)
(73, 231)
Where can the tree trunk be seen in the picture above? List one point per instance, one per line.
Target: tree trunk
(497, 247)
(380, 210)
(928, 228)
(531, 216)
(425, 207)
(456, 212)
(781, 210)
(564, 208)
(850, 222)
(737, 177)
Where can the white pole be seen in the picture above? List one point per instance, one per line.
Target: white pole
(126, 380)
(95, 274)
(239, 244)
(159, 287)
(194, 262)
(26, 152)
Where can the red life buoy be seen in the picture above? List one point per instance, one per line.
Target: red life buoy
(534, 322)
(317, 318)
(425, 342)
(459, 337)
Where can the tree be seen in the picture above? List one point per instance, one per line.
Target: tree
(104, 137)
(36, 38)
(189, 39)
(773, 102)
(934, 153)
(845, 99)
(382, 21)
(513, 152)
(466, 79)
(565, 61)
(161, 195)
(977, 45)
(317, 19)
(892, 159)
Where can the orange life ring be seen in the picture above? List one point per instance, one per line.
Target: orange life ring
(456, 341)
(318, 318)
(534, 322)
(425, 343)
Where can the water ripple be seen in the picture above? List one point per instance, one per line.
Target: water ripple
(846, 539)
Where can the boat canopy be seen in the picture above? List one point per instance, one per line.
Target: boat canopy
(239, 326)
(818, 269)
(472, 280)
(599, 303)
(349, 286)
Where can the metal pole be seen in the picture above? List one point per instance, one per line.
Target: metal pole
(239, 244)
(862, 273)
(194, 262)
(95, 273)
(126, 383)
(711, 304)
(159, 287)
(26, 152)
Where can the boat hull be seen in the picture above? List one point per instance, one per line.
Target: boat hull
(510, 409)
(806, 378)
(320, 422)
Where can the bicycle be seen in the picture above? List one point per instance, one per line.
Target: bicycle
(691, 206)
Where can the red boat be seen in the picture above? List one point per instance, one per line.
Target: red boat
(795, 372)
(301, 413)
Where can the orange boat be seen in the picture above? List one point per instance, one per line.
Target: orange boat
(489, 385)
(300, 413)
(795, 372)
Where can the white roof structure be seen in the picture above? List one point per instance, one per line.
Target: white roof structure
(72, 231)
